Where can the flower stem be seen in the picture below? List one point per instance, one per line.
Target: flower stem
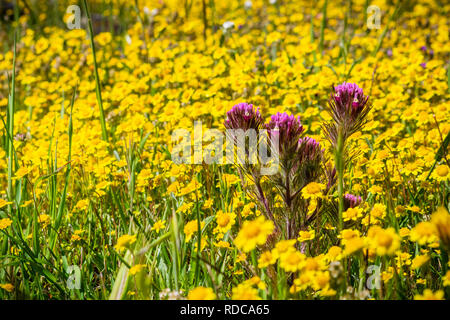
(339, 159)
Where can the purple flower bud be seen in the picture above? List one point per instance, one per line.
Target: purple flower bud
(351, 201)
(423, 65)
(243, 116)
(423, 48)
(308, 160)
(309, 149)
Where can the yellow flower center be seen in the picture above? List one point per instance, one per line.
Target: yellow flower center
(252, 230)
(385, 241)
(293, 259)
(442, 171)
(223, 220)
(313, 188)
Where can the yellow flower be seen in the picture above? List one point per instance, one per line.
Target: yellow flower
(222, 244)
(441, 221)
(430, 295)
(313, 190)
(321, 280)
(225, 221)
(22, 172)
(383, 241)
(348, 234)
(136, 269)
(267, 258)
(334, 253)
(247, 210)
(7, 286)
(230, 179)
(441, 173)
(44, 219)
(446, 279)
(158, 225)
(201, 293)
(292, 261)
(284, 246)
(241, 257)
(306, 235)
(245, 292)
(255, 281)
(352, 214)
(82, 205)
(378, 211)
(423, 233)
(124, 242)
(5, 223)
(4, 203)
(353, 245)
(185, 207)
(421, 281)
(253, 233)
(192, 227)
(419, 261)
(208, 204)
(404, 232)
(75, 238)
(387, 275)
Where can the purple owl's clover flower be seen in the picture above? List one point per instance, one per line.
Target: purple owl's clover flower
(309, 159)
(288, 128)
(243, 116)
(348, 107)
(352, 201)
(349, 98)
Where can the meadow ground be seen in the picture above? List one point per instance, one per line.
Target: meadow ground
(93, 205)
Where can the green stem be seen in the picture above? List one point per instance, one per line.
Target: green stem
(339, 159)
(10, 127)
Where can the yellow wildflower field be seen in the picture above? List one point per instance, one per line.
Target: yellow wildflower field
(263, 149)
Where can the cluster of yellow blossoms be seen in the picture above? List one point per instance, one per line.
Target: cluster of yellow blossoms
(164, 70)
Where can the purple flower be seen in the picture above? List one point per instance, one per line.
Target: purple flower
(288, 128)
(389, 52)
(349, 97)
(243, 116)
(308, 161)
(349, 107)
(423, 65)
(351, 201)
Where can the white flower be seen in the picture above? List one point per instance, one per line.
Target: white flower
(247, 4)
(228, 25)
